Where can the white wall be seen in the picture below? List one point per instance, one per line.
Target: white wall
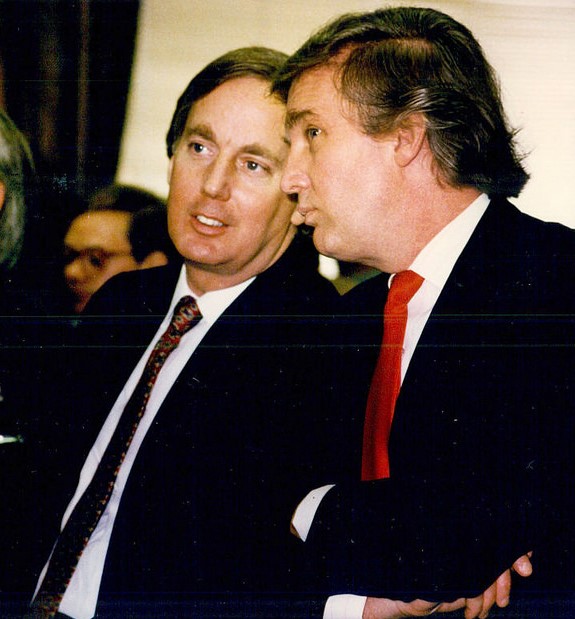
(531, 43)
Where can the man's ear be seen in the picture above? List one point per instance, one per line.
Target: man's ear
(2, 194)
(154, 259)
(410, 138)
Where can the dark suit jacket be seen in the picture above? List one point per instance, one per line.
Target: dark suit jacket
(482, 448)
(244, 431)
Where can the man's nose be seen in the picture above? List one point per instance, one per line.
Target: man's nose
(217, 180)
(74, 270)
(294, 178)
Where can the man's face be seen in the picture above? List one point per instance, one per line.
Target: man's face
(227, 215)
(96, 248)
(345, 180)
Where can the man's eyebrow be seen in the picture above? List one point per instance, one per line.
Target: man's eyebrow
(257, 150)
(203, 131)
(293, 117)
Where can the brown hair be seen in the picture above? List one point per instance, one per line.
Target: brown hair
(260, 62)
(395, 62)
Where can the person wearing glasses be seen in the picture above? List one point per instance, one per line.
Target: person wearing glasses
(124, 229)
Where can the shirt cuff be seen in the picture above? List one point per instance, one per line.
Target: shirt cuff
(344, 606)
(305, 512)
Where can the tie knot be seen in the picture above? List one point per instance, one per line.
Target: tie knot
(403, 286)
(186, 314)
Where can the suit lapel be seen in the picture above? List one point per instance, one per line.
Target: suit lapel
(457, 348)
(484, 284)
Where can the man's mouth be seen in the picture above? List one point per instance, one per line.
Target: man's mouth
(297, 218)
(208, 221)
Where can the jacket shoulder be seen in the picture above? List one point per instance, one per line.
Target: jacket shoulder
(142, 292)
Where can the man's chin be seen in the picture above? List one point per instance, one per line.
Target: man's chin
(320, 243)
(330, 246)
(80, 304)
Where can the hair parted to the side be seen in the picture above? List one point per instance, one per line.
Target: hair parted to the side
(19, 179)
(392, 63)
(260, 62)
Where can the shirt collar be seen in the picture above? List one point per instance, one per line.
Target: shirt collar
(212, 304)
(436, 260)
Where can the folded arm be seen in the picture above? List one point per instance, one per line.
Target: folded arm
(498, 593)
(390, 552)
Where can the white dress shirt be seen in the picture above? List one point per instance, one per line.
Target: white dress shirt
(434, 263)
(81, 596)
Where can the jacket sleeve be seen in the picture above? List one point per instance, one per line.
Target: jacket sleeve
(397, 539)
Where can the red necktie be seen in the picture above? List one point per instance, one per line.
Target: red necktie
(86, 515)
(387, 377)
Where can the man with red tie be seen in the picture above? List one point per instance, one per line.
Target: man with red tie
(402, 160)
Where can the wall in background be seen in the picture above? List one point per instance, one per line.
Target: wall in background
(531, 44)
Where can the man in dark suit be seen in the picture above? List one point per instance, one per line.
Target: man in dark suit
(402, 160)
(232, 434)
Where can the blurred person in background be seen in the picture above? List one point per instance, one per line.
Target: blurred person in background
(21, 300)
(123, 229)
(17, 297)
(17, 186)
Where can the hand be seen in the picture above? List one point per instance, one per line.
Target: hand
(498, 593)
(523, 565)
(382, 608)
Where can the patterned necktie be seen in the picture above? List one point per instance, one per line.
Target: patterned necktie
(387, 377)
(86, 515)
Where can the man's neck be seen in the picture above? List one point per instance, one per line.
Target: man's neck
(438, 210)
(204, 278)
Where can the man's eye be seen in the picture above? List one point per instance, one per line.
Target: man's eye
(96, 260)
(70, 255)
(312, 132)
(197, 148)
(253, 166)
